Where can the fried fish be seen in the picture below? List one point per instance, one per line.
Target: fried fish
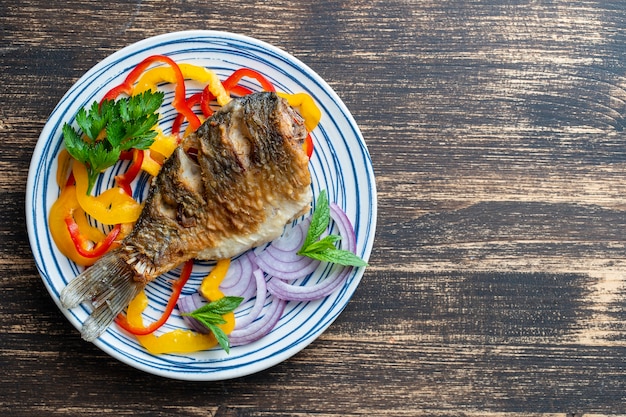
(250, 177)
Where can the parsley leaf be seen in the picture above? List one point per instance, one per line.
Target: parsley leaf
(210, 315)
(111, 127)
(324, 249)
(75, 145)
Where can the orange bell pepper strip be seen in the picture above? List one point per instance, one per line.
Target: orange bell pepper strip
(111, 207)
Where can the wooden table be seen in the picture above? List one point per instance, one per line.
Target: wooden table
(496, 284)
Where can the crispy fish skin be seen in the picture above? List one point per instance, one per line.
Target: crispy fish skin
(249, 179)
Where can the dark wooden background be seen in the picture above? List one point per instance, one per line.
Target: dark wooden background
(496, 285)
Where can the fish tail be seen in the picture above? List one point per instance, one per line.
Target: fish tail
(109, 286)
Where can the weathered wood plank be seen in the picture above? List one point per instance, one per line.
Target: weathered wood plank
(496, 286)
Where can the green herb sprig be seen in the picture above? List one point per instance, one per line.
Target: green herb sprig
(110, 128)
(324, 249)
(210, 315)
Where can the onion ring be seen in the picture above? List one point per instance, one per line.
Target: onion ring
(188, 304)
(336, 276)
(261, 327)
(259, 302)
(237, 282)
(280, 259)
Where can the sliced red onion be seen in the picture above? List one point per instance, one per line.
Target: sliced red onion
(188, 304)
(280, 258)
(235, 271)
(346, 230)
(250, 291)
(261, 327)
(293, 238)
(293, 292)
(239, 280)
(335, 278)
(261, 295)
(291, 270)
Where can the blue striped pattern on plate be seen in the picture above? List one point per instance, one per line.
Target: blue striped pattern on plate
(341, 164)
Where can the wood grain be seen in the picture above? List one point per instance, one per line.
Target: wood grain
(496, 285)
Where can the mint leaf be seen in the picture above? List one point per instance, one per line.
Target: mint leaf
(208, 318)
(324, 249)
(210, 315)
(319, 220)
(222, 306)
(327, 243)
(221, 337)
(337, 256)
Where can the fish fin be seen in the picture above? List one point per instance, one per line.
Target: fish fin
(109, 286)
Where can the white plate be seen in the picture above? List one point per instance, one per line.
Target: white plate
(341, 164)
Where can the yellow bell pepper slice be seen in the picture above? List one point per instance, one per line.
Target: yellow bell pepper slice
(64, 162)
(176, 341)
(209, 288)
(149, 164)
(92, 233)
(162, 147)
(164, 144)
(151, 78)
(65, 204)
(111, 207)
(308, 109)
(179, 340)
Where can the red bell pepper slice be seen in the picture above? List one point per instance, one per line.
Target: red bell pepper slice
(308, 145)
(234, 78)
(124, 180)
(193, 100)
(179, 102)
(240, 90)
(205, 103)
(177, 287)
(80, 241)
